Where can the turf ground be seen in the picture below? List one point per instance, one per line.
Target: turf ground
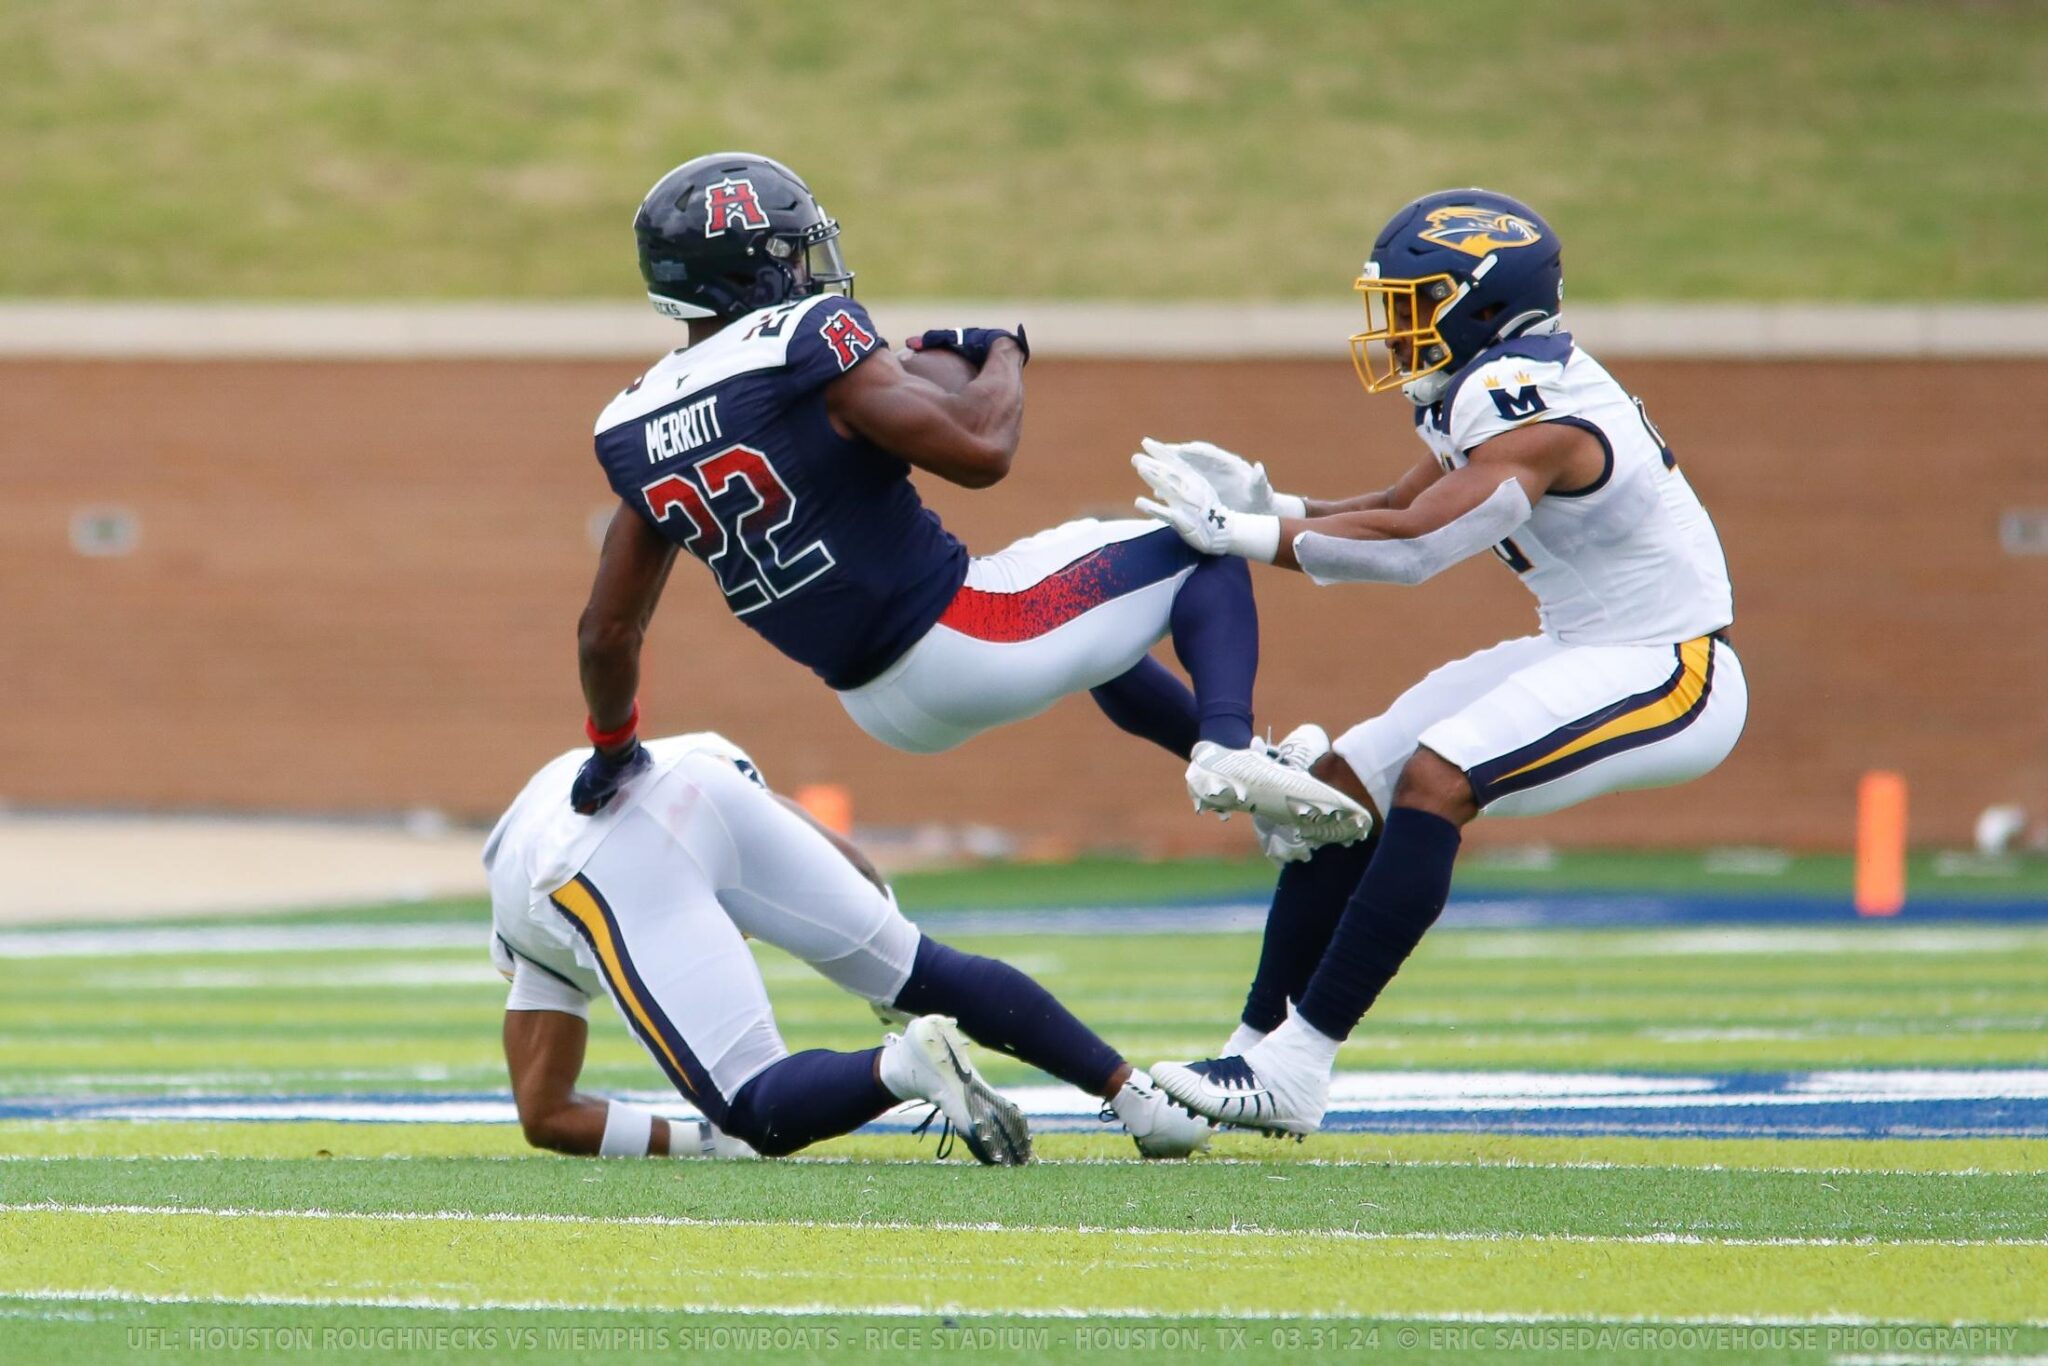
(1165, 149)
(1763, 1132)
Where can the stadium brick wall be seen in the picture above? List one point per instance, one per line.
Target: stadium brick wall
(357, 583)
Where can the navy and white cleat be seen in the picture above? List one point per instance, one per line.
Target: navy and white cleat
(1231, 1091)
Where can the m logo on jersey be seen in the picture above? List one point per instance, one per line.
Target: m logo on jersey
(732, 203)
(1478, 232)
(1514, 405)
(847, 338)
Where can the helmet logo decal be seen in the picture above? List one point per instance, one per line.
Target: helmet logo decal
(732, 203)
(1478, 232)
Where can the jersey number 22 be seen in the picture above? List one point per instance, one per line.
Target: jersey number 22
(739, 541)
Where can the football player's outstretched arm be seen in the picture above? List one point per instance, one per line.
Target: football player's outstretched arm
(631, 570)
(1403, 494)
(1242, 486)
(967, 438)
(1461, 511)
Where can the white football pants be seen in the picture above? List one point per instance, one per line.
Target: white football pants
(707, 857)
(1538, 726)
(1057, 613)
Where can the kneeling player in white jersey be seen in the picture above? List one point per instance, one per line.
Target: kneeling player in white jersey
(1536, 454)
(651, 899)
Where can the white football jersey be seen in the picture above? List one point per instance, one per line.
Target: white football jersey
(1629, 559)
(540, 843)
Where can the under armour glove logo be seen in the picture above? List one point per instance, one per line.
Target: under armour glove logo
(1216, 518)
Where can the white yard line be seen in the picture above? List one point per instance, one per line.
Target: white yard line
(1277, 1172)
(115, 942)
(1477, 1316)
(1737, 941)
(123, 941)
(947, 1226)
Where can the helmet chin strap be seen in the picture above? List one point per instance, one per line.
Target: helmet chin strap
(1427, 390)
(1534, 323)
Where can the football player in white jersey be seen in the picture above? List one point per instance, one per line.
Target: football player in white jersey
(651, 901)
(1536, 455)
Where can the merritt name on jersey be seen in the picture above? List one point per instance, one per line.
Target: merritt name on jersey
(671, 433)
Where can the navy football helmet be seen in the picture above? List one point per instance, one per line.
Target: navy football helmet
(728, 233)
(1451, 274)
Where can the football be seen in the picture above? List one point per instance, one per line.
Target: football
(947, 369)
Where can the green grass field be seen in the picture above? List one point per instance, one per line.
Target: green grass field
(379, 149)
(316, 1240)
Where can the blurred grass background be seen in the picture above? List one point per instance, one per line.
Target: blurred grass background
(367, 149)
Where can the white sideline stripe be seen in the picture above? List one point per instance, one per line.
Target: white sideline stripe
(124, 943)
(1736, 942)
(952, 1226)
(1476, 1316)
(145, 940)
(1461, 1164)
(1211, 330)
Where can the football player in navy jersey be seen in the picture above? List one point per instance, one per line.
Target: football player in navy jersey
(778, 448)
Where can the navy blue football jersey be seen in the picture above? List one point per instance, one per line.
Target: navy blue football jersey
(818, 541)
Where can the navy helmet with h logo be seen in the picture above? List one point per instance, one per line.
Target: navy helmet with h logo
(728, 233)
(1451, 274)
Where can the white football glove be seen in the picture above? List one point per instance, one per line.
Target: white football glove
(1240, 485)
(1188, 504)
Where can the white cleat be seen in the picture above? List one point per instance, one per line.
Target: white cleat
(1303, 747)
(1253, 780)
(928, 1061)
(1281, 844)
(702, 1138)
(1160, 1128)
(1278, 1085)
(1296, 841)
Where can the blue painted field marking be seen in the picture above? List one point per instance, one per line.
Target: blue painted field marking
(1903, 1103)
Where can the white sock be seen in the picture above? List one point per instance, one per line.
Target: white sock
(1322, 1045)
(897, 1076)
(1241, 1041)
(1301, 1044)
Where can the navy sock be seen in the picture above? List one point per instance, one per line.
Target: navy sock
(1400, 897)
(1216, 637)
(1150, 703)
(805, 1097)
(1003, 1009)
(1308, 902)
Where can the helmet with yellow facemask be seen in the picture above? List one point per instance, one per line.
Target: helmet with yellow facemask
(1451, 274)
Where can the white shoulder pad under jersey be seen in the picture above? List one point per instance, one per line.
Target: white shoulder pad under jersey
(1526, 385)
(800, 341)
(1629, 557)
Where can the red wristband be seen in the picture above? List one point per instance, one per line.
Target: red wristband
(609, 739)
